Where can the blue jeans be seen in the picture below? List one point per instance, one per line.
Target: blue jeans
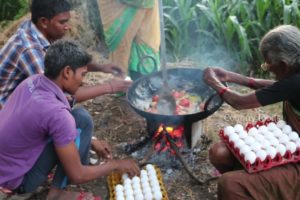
(48, 159)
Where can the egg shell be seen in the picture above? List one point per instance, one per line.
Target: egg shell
(265, 143)
(253, 131)
(293, 136)
(127, 187)
(129, 197)
(255, 146)
(146, 187)
(143, 173)
(284, 139)
(150, 167)
(136, 186)
(155, 188)
(262, 129)
(239, 143)
(139, 197)
(277, 133)
(127, 181)
(238, 127)
(281, 123)
(249, 140)
(298, 142)
(291, 146)
(119, 187)
(148, 196)
(259, 137)
(271, 151)
(137, 190)
(120, 193)
(120, 198)
(243, 134)
(157, 195)
(268, 135)
(244, 150)
(250, 156)
(281, 149)
(286, 129)
(135, 179)
(274, 142)
(271, 126)
(124, 177)
(154, 183)
(233, 137)
(228, 130)
(261, 154)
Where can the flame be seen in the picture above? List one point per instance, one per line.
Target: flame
(163, 144)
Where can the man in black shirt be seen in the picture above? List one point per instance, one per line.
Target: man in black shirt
(280, 49)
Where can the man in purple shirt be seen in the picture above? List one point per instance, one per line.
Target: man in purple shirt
(38, 130)
(23, 54)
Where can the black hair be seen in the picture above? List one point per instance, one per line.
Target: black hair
(64, 53)
(48, 8)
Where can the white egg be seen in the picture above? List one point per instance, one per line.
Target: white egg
(233, 137)
(284, 139)
(249, 140)
(120, 193)
(238, 128)
(228, 130)
(128, 193)
(148, 196)
(127, 181)
(268, 135)
(157, 195)
(137, 191)
(136, 186)
(291, 146)
(274, 141)
(119, 187)
(127, 187)
(277, 133)
(259, 137)
(250, 156)
(150, 167)
(271, 151)
(143, 173)
(286, 129)
(298, 142)
(135, 179)
(154, 183)
(155, 188)
(120, 197)
(130, 197)
(253, 131)
(145, 187)
(262, 129)
(272, 126)
(239, 143)
(124, 177)
(281, 149)
(255, 146)
(244, 150)
(293, 136)
(243, 134)
(265, 143)
(261, 154)
(139, 197)
(151, 174)
(281, 123)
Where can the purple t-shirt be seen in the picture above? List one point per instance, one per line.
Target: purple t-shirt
(36, 111)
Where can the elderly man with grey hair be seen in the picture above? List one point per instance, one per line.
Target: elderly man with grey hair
(39, 131)
(280, 48)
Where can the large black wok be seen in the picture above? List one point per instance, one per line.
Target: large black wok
(140, 94)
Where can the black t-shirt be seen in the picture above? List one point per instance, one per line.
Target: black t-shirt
(286, 89)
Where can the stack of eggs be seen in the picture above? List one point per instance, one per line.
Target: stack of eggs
(270, 140)
(145, 187)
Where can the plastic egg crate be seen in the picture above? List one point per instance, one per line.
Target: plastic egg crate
(149, 186)
(262, 145)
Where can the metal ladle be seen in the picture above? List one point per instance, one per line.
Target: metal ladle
(166, 104)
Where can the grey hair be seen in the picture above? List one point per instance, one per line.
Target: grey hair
(64, 53)
(282, 44)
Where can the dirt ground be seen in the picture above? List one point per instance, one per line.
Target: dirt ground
(118, 124)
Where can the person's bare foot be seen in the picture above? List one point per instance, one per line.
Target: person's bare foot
(59, 194)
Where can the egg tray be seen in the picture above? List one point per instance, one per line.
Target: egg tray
(259, 165)
(116, 178)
